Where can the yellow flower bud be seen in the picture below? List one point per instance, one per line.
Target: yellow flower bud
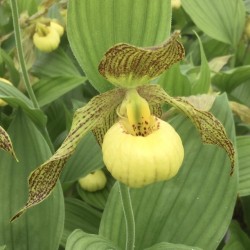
(141, 160)
(94, 181)
(46, 38)
(176, 4)
(2, 102)
(59, 28)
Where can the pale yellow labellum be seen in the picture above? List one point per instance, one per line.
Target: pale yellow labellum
(141, 160)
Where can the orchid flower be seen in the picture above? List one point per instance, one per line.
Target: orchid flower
(138, 147)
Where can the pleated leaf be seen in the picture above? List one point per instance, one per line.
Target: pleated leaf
(16, 98)
(81, 240)
(129, 66)
(140, 23)
(243, 144)
(79, 215)
(222, 20)
(41, 228)
(170, 246)
(194, 208)
(43, 179)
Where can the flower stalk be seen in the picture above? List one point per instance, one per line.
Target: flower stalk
(128, 215)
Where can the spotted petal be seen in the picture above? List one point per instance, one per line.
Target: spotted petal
(5, 142)
(129, 66)
(211, 130)
(43, 179)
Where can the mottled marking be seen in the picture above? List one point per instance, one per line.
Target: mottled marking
(125, 64)
(209, 127)
(5, 143)
(43, 179)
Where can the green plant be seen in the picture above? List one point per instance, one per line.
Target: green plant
(198, 208)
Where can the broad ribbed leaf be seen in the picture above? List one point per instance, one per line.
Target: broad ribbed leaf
(170, 246)
(79, 215)
(16, 98)
(238, 239)
(87, 158)
(43, 179)
(229, 80)
(222, 20)
(201, 85)
(49, 89)
(41, 227)
(188, 208)
(81, 240)
(94, 26)
(243, 145)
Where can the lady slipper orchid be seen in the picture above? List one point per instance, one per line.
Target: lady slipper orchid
(138, 147)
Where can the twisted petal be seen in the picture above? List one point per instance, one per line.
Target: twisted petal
(129, 66)
(211, 130)
(5, 142)
(43, 179)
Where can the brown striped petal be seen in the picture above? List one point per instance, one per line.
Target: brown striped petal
(209, 127)
(5, 142)
(129, 66)
(43, 179)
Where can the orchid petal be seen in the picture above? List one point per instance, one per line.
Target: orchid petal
(43, 179)
(129, 66)
(210, 129)
(5, 142)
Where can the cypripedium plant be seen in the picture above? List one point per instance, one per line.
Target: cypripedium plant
(138, 147)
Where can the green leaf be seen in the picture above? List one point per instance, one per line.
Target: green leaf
(222, 20)
(243, 144)
(54, 64)
(202, 83)
(170, 246)
(49, 89)
(238, 239)
(141, 23)
(174, 82)
(3, 247)
(14, 74)
(81, 240)
(16, 98)
(241, 93)
(43, 179)
(87, 158)
(79, 215)
(229, 80)
(42, 227)
(188, 208)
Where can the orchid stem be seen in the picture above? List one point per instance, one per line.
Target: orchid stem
(129, 216)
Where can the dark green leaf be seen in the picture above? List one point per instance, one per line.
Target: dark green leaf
(140, 23)
(170, 246)
(80, 240)
(243, 144)
(79, 215)
(41, 227)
